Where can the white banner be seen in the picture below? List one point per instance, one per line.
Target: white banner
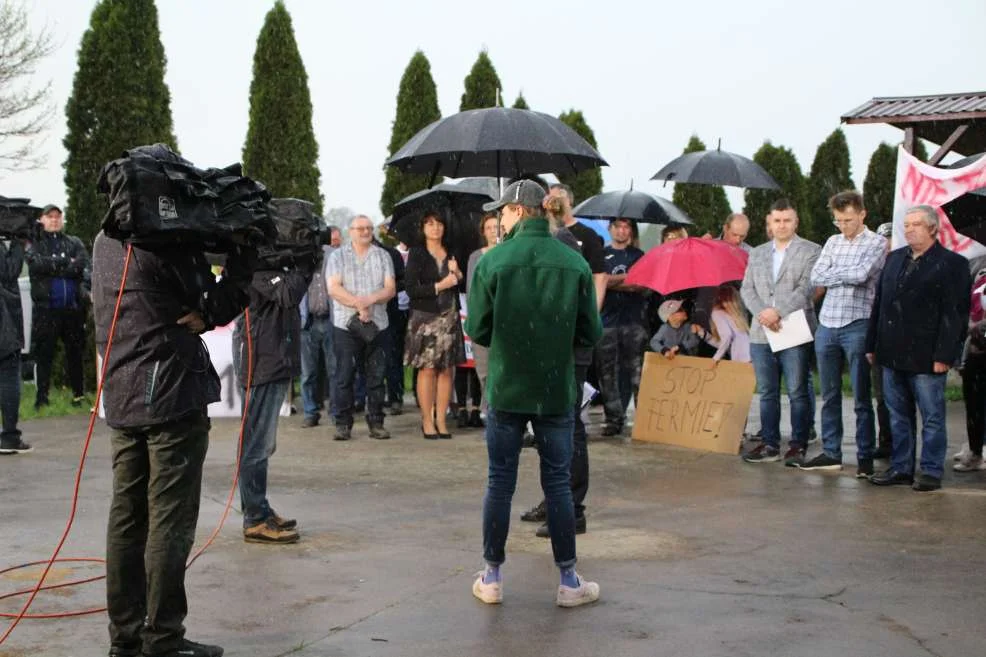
(922, 184)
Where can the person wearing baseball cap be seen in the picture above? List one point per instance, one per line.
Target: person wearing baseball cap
(58, 265)
(531, 302)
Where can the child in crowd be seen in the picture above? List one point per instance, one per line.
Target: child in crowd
(730, 332)
(675, 335)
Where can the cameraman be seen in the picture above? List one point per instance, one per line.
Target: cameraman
(158, 382)
(11, 343)
(275, 293)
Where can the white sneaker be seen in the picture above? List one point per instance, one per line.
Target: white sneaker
(491, 594)
(583, 594)
(970, 463)
(962, 453)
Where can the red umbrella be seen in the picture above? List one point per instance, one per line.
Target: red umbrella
(687, 263)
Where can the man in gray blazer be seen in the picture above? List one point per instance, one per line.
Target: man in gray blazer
(778, 283)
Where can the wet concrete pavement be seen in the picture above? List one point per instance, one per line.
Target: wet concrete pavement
(696, 554)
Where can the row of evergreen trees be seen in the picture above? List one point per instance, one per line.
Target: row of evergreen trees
(417, 106)
(119, 99)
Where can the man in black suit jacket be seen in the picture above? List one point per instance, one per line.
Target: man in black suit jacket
(916, 333)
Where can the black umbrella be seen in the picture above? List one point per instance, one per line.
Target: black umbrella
(497, 141)
(632, 204)
(716, 168)
(459, 203)
(968, 214)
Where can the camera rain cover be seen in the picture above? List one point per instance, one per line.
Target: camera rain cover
(157, 196)
(17, 217)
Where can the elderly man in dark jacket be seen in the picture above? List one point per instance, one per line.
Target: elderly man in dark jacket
(158, 382)
(916, 333)
(273, 322)
(11, 343)
(59, 269)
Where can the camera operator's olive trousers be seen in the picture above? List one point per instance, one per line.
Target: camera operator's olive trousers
(157, 482)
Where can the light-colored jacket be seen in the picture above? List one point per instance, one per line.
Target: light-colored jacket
(792, 290)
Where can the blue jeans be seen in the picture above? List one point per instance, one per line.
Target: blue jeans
(10, 395)
(902, 391)
(316, 343)
(504, 435)
(833, 346)
(769, 366)
(352, 354)
(259, 443)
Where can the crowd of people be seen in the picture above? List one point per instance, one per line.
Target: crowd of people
(547, 306)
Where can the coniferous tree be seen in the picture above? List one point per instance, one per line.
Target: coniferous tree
(280, 148)
(521, 102)
(482, 85)
(417, 106)
(830, 174)
(586, 183)
(707, 205)
(780, 163)
(119, 100)
(879, 186)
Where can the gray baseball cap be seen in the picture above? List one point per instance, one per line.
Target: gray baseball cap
(522, 192)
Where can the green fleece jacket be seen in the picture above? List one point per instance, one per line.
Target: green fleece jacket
(532, 302)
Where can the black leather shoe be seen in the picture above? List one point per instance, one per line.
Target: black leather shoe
(428, 436)
(191, 649)
(125, 650)
(462, 419)
(476, 420)
(892, 478)
(542, 531)
(883, 452)
(535, 513)
(343, 433)
(925, 483)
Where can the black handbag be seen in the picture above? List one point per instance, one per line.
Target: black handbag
(365, 331)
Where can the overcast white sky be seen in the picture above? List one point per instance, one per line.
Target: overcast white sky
(646, 74)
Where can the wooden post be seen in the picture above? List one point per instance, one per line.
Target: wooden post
(948, 145)
(909, 139)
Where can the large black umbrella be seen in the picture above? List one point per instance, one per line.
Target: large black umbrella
(716, 167)
(632, 204)
(497, 141)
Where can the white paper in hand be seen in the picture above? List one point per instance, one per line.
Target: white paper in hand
(794, 331)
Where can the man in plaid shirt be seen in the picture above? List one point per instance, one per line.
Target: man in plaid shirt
(848, 268)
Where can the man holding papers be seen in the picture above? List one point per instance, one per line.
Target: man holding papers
(848, 268)
(777, 284)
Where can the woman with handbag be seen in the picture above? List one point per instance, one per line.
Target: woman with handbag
(434, 344)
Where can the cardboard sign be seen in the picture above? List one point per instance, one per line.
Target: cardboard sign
(687, 402)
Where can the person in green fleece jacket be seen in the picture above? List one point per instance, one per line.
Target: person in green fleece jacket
(531, 303)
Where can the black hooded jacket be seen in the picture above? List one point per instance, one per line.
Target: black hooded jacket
(57, 255)
(158, 370)
(275, 327)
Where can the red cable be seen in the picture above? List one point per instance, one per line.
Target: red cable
(78, 479)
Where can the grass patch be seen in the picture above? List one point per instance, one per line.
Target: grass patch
(61, 403)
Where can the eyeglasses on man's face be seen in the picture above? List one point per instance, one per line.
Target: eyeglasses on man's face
(361, 228)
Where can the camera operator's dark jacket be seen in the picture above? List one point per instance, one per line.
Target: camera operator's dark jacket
(60, 271)
(158, 370)
(275, 327)
(11, 315)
